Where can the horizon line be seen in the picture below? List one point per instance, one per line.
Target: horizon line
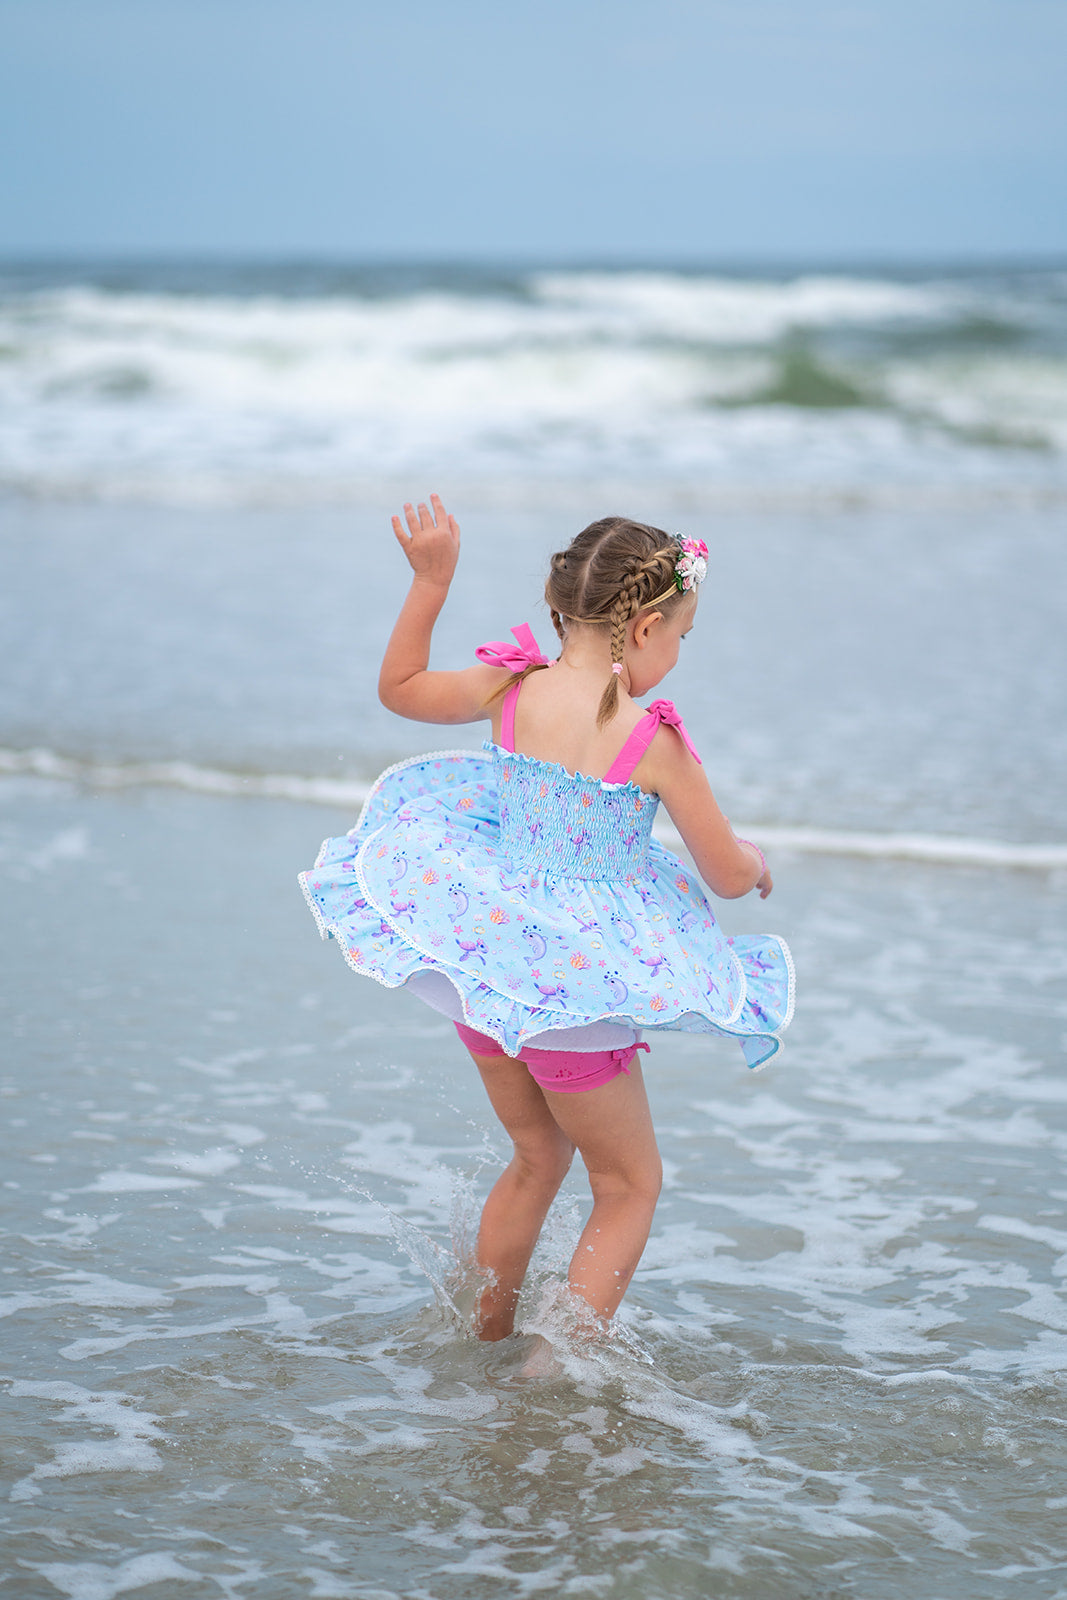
(736, 261)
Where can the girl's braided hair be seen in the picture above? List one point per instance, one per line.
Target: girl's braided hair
(612, 570)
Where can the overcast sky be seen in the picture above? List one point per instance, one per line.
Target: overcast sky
(650, 129)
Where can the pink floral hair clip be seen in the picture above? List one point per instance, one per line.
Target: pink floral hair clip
(692, 567)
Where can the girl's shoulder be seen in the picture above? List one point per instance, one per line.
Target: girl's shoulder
(665, 756)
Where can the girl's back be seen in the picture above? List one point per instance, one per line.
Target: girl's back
(555, 720)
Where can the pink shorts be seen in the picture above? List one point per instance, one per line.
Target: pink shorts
(561, 1071)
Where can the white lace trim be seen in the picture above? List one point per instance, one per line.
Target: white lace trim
(791, 995)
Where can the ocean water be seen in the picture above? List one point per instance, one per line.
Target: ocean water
(241, 1186)
(252, 385)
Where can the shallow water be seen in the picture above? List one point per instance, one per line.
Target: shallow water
(241, 1185)
(236, 1178)
(856, 670)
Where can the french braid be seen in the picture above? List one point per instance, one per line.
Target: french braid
(612, 570)
(643, 583)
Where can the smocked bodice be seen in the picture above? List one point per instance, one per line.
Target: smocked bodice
(565, 825)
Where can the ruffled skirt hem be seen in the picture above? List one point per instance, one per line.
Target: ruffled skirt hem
(512, 1026)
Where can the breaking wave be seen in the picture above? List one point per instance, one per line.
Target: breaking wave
(230, 387)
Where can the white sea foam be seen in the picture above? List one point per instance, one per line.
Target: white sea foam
(92, 1580)
(712, 379)
(132, 1448)
(99, 1290)
(136, 1183)
(737, 311)
(350, 794)
(178, 775)
(938, 848)
(207, 1164)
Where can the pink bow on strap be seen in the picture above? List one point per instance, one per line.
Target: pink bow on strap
(515, 657)
(664, 711)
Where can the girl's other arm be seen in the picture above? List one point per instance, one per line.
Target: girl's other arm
(405, 685)
(729, 867)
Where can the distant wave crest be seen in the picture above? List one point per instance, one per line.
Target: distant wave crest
(281, 391)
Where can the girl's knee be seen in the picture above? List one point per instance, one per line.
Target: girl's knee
(649, 1184)
(638, 1184)
(544, 1160)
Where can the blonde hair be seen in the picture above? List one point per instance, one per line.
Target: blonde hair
(612, 570)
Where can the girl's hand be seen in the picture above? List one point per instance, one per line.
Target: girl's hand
(765, 885)
(431, 544)
(405, 684)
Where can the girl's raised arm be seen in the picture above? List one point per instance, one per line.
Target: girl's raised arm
(405, 685)
(729, 866)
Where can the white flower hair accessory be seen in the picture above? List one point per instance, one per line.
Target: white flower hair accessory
(692, 567)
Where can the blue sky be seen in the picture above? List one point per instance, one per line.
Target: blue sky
(573, 129)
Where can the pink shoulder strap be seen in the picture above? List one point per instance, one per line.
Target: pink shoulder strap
(507, 717)
(516, 657)
(622, 768)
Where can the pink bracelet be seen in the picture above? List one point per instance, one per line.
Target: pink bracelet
(759, 852)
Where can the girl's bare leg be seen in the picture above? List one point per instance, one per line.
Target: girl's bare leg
(520, 1198)
(612, 1127)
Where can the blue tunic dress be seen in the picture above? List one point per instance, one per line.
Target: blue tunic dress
(543, 900)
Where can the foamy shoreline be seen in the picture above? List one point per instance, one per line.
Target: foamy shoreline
(936, 849)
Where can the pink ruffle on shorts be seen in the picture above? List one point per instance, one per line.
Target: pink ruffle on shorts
(561, 1071)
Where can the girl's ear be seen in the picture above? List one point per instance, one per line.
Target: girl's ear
(643, 625)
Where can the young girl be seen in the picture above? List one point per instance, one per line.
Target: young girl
(520, 893)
